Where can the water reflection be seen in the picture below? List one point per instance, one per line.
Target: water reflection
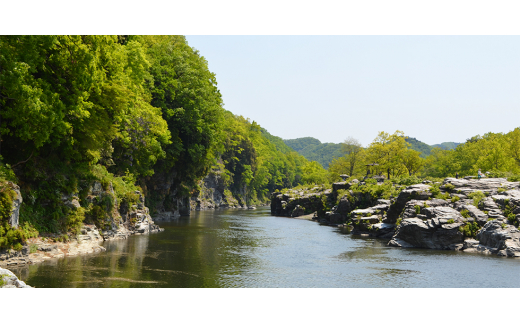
(236, 248)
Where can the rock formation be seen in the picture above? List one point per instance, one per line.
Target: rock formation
(470, 215)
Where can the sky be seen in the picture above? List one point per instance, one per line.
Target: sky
(434, 88)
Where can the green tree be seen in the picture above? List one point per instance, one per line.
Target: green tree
(388, 151)
(354, 153)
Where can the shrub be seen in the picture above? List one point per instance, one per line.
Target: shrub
(435, 190)
(417, 209)
(449, 187)
(464, 213)
(470, 229)
(454, 199)
(408, 180)
(514, 178)
(450, 221)
(33, 248)
(477, 196)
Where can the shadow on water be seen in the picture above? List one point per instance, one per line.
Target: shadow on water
(239, 248)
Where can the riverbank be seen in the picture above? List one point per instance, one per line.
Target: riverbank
(478, 216)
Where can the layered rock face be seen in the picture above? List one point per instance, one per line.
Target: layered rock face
(438, 224)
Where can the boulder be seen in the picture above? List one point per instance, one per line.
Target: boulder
(505, 239)
(340, 186)
(436, 228)
(344, 206)
(9, 280)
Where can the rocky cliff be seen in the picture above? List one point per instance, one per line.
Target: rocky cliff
(459, 214)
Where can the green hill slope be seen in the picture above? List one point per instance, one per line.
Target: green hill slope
(419, 146)
(315, 150)
(447, 145)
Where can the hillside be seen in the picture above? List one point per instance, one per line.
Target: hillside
(315, 150)
(447, 145)
(425, 149)
(419, 146)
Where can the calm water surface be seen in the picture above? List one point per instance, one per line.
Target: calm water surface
(237, 248)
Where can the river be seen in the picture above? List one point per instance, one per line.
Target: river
(239, 248)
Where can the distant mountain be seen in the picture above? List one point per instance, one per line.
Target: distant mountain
(324, 153)
(425, 149)
(313, 149)
(419, 146)
(447, 145)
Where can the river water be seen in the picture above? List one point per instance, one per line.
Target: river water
(239, 248)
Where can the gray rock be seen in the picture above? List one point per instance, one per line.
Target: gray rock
(298, 211)
(466, 186)
(10, 280)
(340, 186)
(430, 229)
(428, 234)
(344, 206)
(475, 213)
(505, 239)
(415, 192)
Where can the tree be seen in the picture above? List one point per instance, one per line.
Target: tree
(353, 153)
(412, 161)
(388, 151)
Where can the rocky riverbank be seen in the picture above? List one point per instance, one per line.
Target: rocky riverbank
(122, 221)
(458, 214)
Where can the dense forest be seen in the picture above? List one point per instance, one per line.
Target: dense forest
(131, 112)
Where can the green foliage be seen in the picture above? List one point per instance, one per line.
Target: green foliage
(470, 230)
(11, 237)
(508, 213)
(454, 199)
(495, 152)
(406, 180)
(450, 221)
(33, 248)
(477, 196)
(464, 213)
(417, 209)
(435, 190)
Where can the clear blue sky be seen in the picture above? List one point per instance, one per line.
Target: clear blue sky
(434, 88)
